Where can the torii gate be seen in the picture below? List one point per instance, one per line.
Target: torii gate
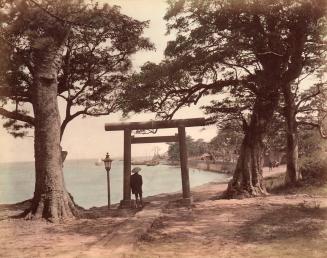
(180, 137)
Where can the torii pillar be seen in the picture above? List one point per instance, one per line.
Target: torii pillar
(187, 199)
(180, 138)
(126, 202)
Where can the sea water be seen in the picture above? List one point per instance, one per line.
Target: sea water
(88, 182)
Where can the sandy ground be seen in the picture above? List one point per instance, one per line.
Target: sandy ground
(292, 225)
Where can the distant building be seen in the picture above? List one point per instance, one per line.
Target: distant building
(206, 156)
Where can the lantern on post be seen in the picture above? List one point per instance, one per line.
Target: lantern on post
(107, 164)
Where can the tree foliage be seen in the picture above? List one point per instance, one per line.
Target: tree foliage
(96, 43)
(313, 156)
(195, 148)
(245, 55)
(312, 108)
(226, 144)
(311, 145)
(231, 48)
(95, 63)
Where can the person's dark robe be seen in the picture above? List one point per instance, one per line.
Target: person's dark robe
(136, 183)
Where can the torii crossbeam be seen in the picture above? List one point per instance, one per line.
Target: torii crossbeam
(180, 137)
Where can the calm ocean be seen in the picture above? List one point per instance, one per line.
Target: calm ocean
(88, 182)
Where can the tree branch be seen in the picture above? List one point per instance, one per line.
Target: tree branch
(62, 20)
(6, 91)
(17, 116)
(308, 97)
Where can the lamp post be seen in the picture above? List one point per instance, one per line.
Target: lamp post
(107, 164)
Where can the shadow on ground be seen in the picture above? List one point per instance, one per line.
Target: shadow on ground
(285, 222)
(246, 222)
(13, 210)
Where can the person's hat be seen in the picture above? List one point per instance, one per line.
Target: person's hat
(136, 169)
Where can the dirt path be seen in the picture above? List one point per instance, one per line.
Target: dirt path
(124, 238)
(274, 226)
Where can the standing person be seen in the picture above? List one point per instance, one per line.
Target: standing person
(270, 165)
(136, 186)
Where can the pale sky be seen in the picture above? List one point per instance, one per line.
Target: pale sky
(86, 138)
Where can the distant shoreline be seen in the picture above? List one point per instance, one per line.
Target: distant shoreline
(210, 166)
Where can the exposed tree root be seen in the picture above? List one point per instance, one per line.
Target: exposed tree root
(238, 191)
(54, 207)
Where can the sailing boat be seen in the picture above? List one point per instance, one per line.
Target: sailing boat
(149, 162)
(152, 163)
(155, 158)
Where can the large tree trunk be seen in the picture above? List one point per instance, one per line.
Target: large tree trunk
(51, 199)
(247, 180)
(293, 174)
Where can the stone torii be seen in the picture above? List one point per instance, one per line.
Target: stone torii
(180, 124)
